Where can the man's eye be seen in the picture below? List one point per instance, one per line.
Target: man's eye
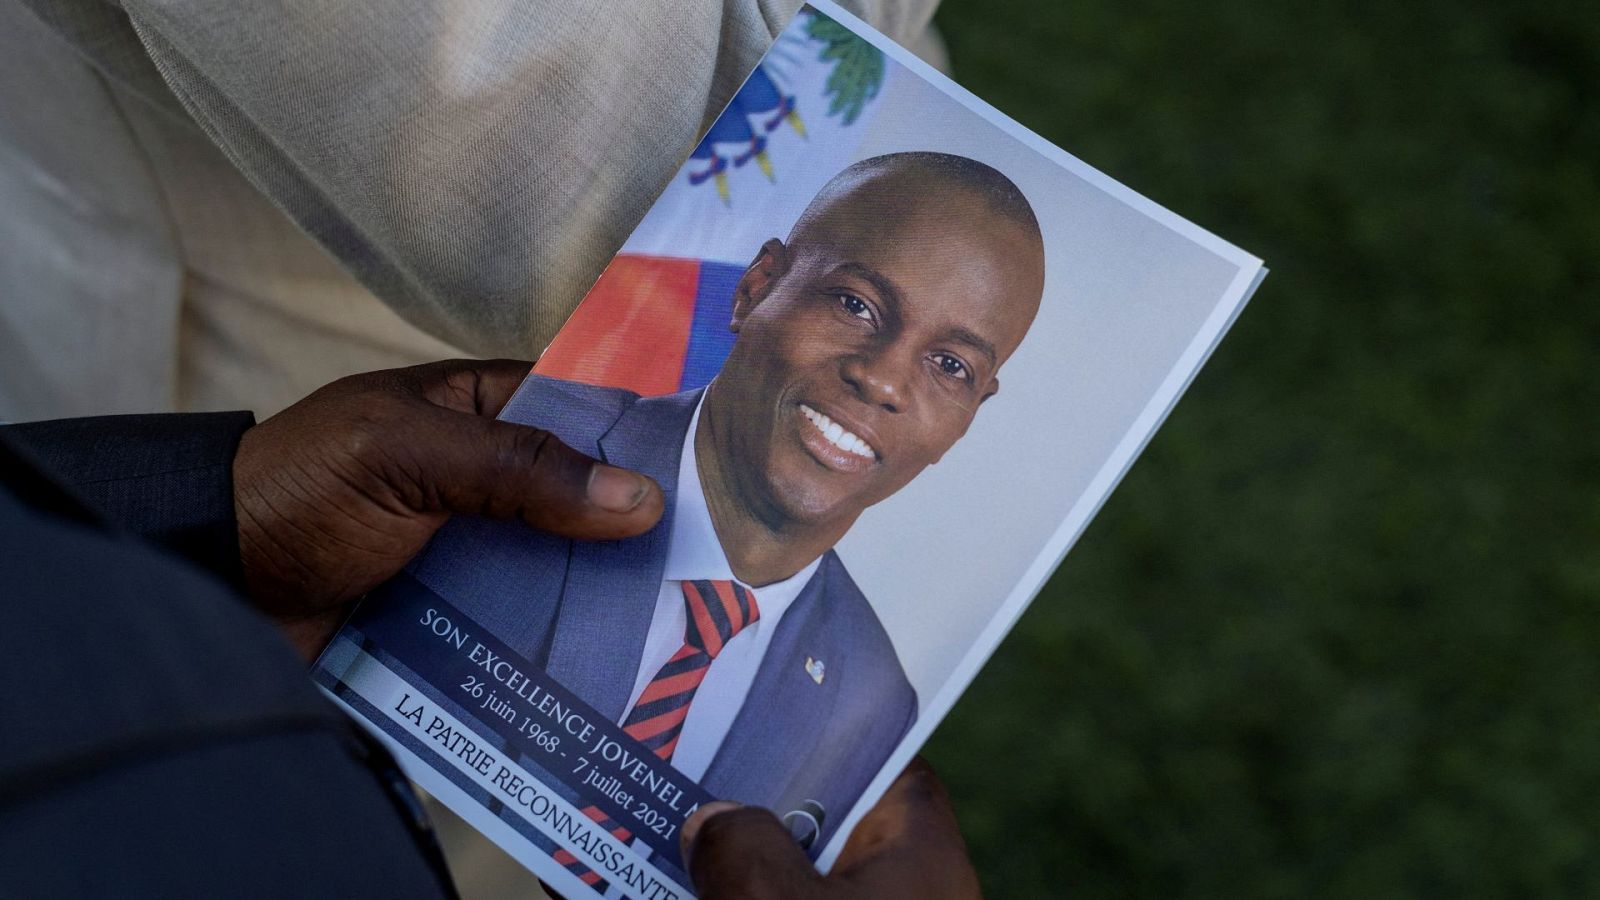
(951, 366)
(855, 306)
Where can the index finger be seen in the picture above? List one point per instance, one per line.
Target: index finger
(478, 386)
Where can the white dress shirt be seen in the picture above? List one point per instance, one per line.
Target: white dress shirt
(693, 554)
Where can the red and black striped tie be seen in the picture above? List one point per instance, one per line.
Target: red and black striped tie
(717, 610)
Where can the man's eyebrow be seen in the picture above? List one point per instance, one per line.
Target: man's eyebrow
(867, 273)
(976, 342)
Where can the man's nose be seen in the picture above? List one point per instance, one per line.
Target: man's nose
(878, 379)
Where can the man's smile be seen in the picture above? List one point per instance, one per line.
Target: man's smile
(833, 444)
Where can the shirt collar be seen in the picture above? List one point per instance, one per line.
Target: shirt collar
(693, 551)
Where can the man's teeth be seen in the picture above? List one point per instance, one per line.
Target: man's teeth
(837, 436)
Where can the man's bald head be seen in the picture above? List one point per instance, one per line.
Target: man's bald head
(932, 171)
(947, 209)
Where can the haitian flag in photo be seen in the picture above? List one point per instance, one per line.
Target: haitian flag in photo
(651, 324)
(656, 321)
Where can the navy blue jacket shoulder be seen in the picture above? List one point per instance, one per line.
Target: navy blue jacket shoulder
(163, 740)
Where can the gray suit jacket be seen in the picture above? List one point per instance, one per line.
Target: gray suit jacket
(582, 609)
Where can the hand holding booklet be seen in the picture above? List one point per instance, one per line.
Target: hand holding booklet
(886, 353)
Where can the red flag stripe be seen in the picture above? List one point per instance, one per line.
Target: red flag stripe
(632, 329)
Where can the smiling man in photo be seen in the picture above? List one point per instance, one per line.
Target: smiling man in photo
(730, 640)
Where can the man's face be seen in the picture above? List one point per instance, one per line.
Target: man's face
(866, 345)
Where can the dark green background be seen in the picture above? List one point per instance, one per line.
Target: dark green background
(1338, 632)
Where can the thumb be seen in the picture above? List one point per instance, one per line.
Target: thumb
(503, 470)
(745, 852)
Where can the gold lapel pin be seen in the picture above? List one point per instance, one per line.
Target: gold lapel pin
(815, 669)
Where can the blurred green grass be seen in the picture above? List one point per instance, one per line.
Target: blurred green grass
(1338, 632)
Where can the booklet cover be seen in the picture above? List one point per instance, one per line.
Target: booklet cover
(886, 352)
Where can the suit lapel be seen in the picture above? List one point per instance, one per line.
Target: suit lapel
(612, 586)
(786, 710)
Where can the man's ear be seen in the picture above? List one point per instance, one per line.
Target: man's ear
(771, 261)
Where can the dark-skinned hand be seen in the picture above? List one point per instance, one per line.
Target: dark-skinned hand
(908, 846)
(337, 492)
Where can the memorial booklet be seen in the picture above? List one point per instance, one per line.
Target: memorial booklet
(886, 352)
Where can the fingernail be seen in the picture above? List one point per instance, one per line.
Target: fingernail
(614, 489)
(691, 825)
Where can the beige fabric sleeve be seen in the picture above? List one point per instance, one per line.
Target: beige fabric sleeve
(474, 162)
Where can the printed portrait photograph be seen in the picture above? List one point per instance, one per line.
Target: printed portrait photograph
(885, 353)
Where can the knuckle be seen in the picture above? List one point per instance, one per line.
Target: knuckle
(370, 432)
(538, 459)
(456, 386)
(533, 449)
(363, 447)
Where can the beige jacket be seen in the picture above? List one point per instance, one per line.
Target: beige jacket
(472, 164)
